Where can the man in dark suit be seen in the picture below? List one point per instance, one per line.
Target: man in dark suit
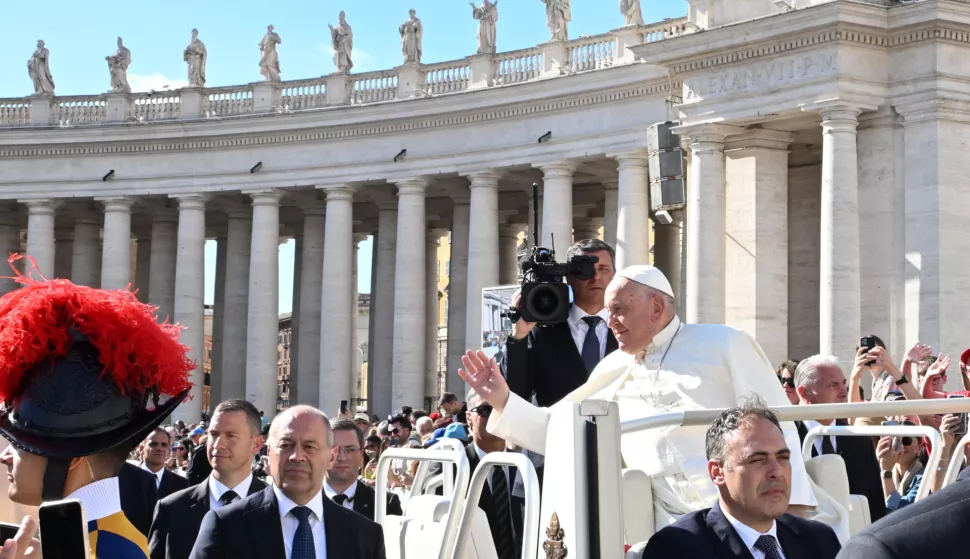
(293, 518)
(750, 463)
(232, 442)
(503, 510)
(819, 380)
(552, 361)
(342, 485)
(139, 495)
(157, 450)
(933, 527)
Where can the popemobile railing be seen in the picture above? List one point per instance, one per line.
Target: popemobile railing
(423, 80)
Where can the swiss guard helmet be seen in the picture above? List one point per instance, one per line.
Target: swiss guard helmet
(84, 371)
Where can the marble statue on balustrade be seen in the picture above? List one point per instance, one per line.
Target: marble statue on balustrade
(487, 15)
(118, 66)
(196, 55)
(412, 33)
(342, 37)
(40, 71)
(269, 60)
(631, 12)
(558, 16)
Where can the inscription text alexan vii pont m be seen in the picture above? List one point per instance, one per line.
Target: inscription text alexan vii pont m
(761, 76)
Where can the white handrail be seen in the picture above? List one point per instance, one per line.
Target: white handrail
(448, 481)
(957, 460)
(455, 511)
(530, 484)
(936, 442)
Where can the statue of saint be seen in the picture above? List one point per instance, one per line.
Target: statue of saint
(487, 15)
(411, 35)
(558, 16)
(118, 66)
(40, 71)
(269, 61)
(343, 45)
(195, 55)
(631, 12)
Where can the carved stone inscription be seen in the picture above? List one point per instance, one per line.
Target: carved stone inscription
(761, 76)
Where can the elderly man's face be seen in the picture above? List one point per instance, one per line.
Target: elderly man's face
(299, 455)
(635, 314)
(829, 388)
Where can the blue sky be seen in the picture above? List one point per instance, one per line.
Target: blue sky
(80, 35)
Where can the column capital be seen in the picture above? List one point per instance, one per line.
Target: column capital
(557, 169)
(240, 212)
(707, 135)
(461, 198)
(163, 215)
(314, 210)
(386, 205)
(483, 178)
(611, 185)
(415, 185)
(434, 236)
(840, 118)
(264, 197)
(339, 192)
(360, 237)
(40, 206)
(116, 203)
(631, 158)
(761, 138)
(885, 117)
(191, 201)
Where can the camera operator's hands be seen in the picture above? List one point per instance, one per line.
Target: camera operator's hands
(484, 375)
(521, 328)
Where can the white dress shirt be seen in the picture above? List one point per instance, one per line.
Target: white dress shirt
(579, 328)
(158, 475)
(291, 523)
(101, 499)
(750, 536)
(217, 490)
(811, 424)
(505, 469)
(351, 492)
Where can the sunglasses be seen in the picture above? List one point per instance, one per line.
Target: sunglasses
(483, 410)
(394, 431)
(787, 381)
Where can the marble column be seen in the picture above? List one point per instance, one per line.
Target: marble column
(63, 251)
(9, 244)
(379, 382)
(218, 323)
(433, 268)
(457, 289)
(235, 329)
(336, 302)
(586, 228)
(369, 354)
(85, 260)
(189, 292)
(407, 370)
(557, 206)
(305, 386)
(533, 226)
(296, 311)
(161, 290)
(116, 258)
(804, 224)
(483, 256)
(756, 226)
(356, 353)
(633, 210)
(839, 297)
(40, 237)
(262, 334)
(668, 253)
(705, 223)
(611, 213)
(508, 250)
(143, 264)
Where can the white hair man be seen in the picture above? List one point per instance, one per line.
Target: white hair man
(662, 365)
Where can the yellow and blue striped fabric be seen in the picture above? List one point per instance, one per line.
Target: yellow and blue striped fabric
(114, 537)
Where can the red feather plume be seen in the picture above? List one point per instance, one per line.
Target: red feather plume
(136, 351)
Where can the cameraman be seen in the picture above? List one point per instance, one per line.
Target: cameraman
(552, 361)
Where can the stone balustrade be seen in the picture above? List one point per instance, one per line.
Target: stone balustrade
(475, 72)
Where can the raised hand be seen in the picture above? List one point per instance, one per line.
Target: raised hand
(918, 352)
(24, 545)
(484, 375)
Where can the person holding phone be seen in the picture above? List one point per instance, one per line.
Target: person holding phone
(58, 341)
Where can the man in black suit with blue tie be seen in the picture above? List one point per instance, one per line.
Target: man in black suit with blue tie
(293, 519)
(749, 462)
(342, 485)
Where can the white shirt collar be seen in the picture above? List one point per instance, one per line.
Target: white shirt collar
(662, 338)
(748, 534)
(811, 424)
(217, 489)
(101, 499)
(286, 505)
(351, 491)
(577, 314)
(158, 475)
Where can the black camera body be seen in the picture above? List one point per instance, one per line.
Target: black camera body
(544, 296)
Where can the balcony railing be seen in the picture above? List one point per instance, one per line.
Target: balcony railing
(477, 72)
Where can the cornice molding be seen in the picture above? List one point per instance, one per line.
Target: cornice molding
(452, 119)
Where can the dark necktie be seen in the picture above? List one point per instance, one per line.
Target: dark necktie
(591, 345)
(769, 545)
(502, 533)
(303, 538)
(228, 497)
(341, 499)
(827, 447)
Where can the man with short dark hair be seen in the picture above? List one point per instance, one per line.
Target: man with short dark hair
(342, 485)
(158, 448)
(399, 431)
(450, 404)
(292, 519)
(549, 363)
(750, 463)
(233, 439)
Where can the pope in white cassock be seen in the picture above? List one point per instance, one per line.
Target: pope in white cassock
(662, 365)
